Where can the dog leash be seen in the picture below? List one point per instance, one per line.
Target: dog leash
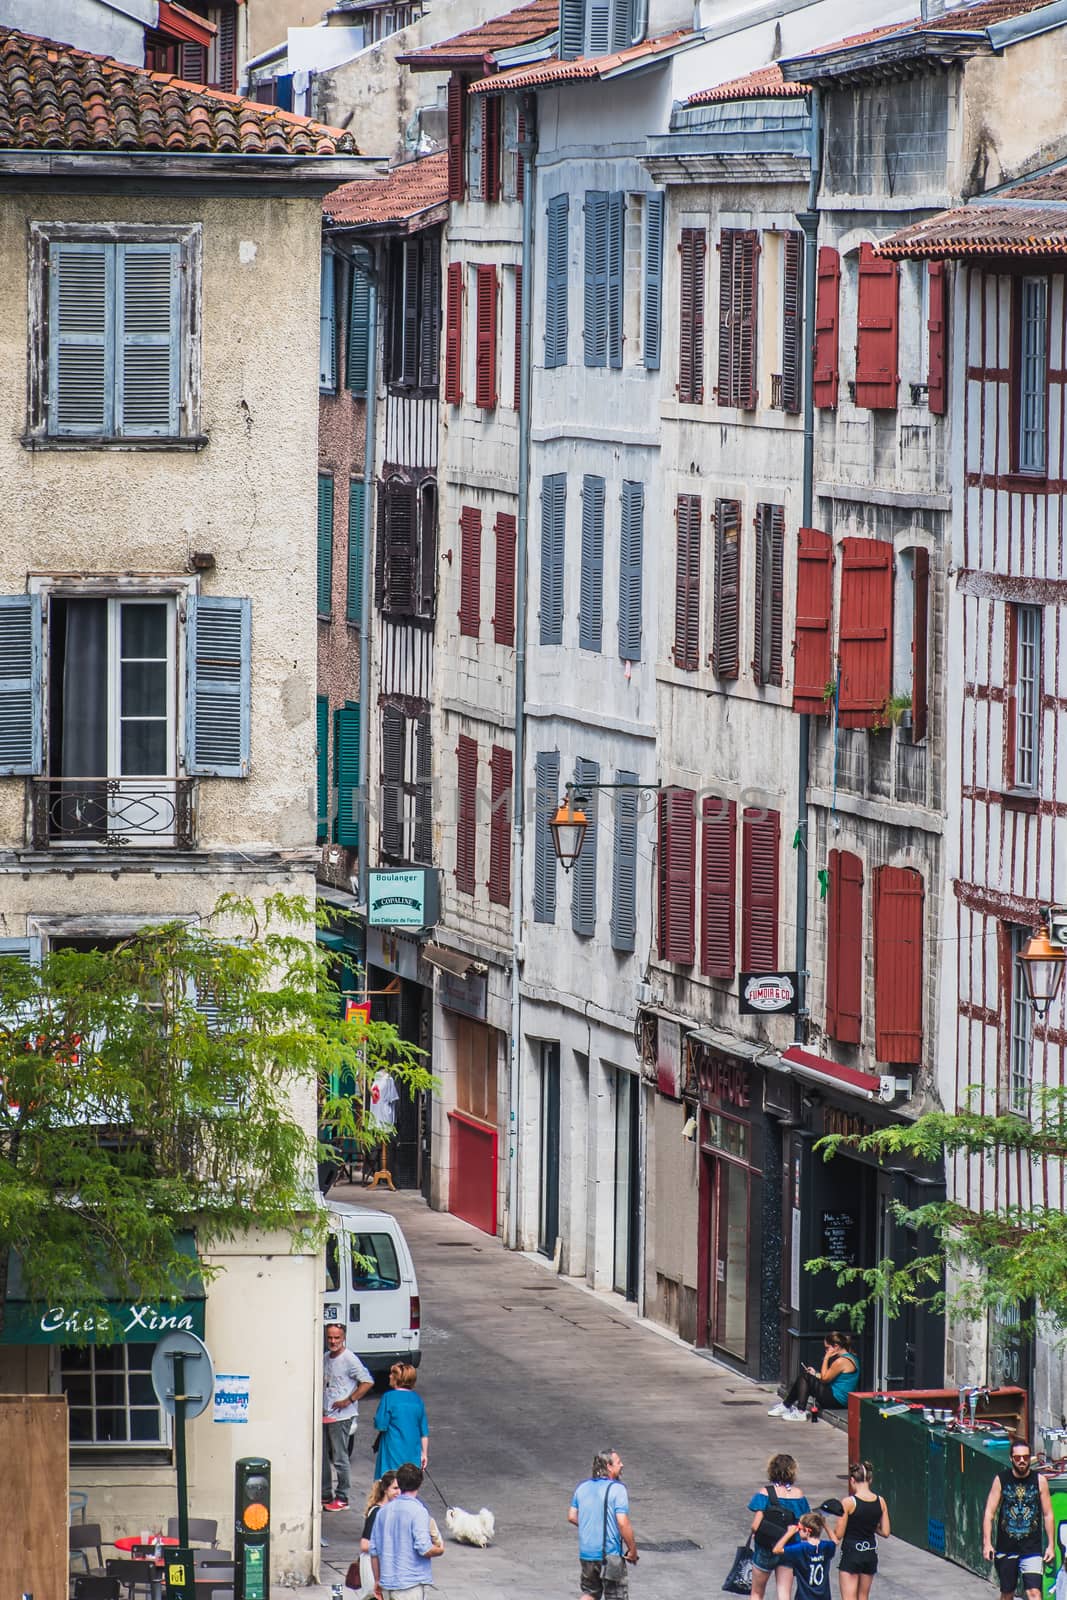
(433, 1480)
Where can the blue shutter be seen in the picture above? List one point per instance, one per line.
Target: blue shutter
(624, 866)
(149, 355)
(327, 325)
(346, 772)
(545, 865)
(556, 264)
(322, 768)
(583, 875)
(599, 27)
(28, 950)
(81, 342)
(324, 586)
(21, 700)
(622, 24)
(553, 533)
(357, 500)
(616, 224)
(591, 608)
(631, 560)
(571, 29)
(218, 687)
(595, 332)
(357, 366)
(652, 309)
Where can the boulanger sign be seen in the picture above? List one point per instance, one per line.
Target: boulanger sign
(403, 899)
(761, 993)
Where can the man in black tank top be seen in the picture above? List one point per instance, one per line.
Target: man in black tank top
(1019, 1500)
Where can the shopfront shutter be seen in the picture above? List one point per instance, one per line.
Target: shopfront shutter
(491, 109)
(877, 314)
(693, 248)
(844, 948)
(624, 865)
(827, 299)
(920, 688)
(760, 833)
(556, 265)
(457, 126)
(21, 700)
(504, 587)
(595, 332)
(726, 644)
(792, 321)
(394, 753)
(616, 253)
(553, 534)
(583, 874)
(485, 333)
(631, 570)
(467, 813)
(454, 334)
(591, 588)
(546, 801)
(718, 887)
(357, 499)
(357, 363)
(218, 687)
(322, 767)
(324, 563)
(937, 330)
(865, 647)
(688, 516)
(898, 964)
(677, 875)
(500, 780)
(470, 571)
(812, 652)
(346, 772)
(652, 304)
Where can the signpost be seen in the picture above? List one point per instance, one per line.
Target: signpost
(184, 1380)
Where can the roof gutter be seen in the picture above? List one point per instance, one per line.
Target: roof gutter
(1013, 30)
(213, 165)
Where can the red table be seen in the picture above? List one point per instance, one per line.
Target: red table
(130, 1539)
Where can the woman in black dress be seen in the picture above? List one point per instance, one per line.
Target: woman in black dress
(865, 1518)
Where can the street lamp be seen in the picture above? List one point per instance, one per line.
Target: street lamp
(1043, 965)
(570, 823)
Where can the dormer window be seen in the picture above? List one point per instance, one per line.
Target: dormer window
(600, 27)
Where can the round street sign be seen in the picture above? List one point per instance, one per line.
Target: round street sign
(198, 1372)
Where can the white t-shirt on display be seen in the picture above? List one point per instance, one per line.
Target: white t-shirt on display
(383, 1099)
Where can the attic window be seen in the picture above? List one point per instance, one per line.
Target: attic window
(600, 27)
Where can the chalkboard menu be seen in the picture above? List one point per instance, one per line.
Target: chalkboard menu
(840, 1232)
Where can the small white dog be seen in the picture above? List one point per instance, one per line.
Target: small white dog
(466, 1528)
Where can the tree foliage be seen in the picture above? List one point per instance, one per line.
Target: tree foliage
(172, 1080)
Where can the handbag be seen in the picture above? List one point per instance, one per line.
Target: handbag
(613, 1567)
(739, 1577)
(360, 1575)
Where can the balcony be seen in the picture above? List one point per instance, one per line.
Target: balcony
(113, 813)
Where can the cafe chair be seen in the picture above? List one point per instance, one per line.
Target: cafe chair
(77, 1500)
(133, 1575)
(86, 1536)
(97, 1588)
(202, 1530)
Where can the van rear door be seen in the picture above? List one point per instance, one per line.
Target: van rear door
(382, 1283)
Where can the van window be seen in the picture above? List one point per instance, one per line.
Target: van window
(333, 1276)
(374, 1263)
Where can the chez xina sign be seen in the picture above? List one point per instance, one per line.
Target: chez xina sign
(115, 1322)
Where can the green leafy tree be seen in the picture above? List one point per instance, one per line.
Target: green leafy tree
(171, 1081)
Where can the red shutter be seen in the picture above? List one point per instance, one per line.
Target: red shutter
(812, 663)
(500, 826)
(677, 875)
(792, 321)
(192, 63)
(768, 595)
(919, 648)
(457, 127)
(504, 597)
(687, 583)
(718, 887)
(898, 964)
(485, 334)
(520, 164)
(937, 327)
(491, 107)
(844, 948)
(746, 262)
(226, 50)
(827, 294)
(454, 334)
(470, 570)
(518, 338)
(759, 890)
(865, 647)
(466, 812)
(693, 249)
(726, 646)
(877, 315)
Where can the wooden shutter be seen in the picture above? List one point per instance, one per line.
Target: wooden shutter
(844, 948)
(500, 826)
(394, 752)
(492, 105)
(631, 570)
(920, 644)
(324, 565)
(226, 49)
(426, 544)
(409, 327)
(80, 339)
(693, 248)
(898, 964)
(192, 62)
(571, 29)
(520, 160)
(599, 12)
(430, 312)
(400, 508)
(865, 647)
(591, 589)
(454, 334)
(652, 305)
(738, 268)
(768, 594)
(726, 621)
(616, 255)
(357, 365)
(327, 323)
(485, 336)
(812, 653)
(583, 875)
(792, 320)
(422, 848)
(470, 571)
(553, 533)
(357, 500)
(718, 887)
(322, 767)
(622, 24)
(517, 391)
(148, 361)
(595, 332)
(760, 831)
(937, 329)
(21, 703)
(346, 772)
(677, 875)
(218, 686)
(546, 800)
(827, 298)
(877, 315)
(688, 516)
(624, 865)
(556, 263)
(457, 129)
(504, 588)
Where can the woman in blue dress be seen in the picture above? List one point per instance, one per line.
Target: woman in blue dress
(403, 1431)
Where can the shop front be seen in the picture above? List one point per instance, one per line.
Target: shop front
(399, 988)
(472, 1057)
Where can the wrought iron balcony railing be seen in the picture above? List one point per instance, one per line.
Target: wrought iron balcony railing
(114, 813)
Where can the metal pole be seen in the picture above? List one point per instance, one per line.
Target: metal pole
(179, 1450)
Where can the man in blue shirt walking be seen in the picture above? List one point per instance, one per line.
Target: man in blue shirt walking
(401, 1543)
(600, 1510)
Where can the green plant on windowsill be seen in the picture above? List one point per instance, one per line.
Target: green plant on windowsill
(829, 689)
(895, 710)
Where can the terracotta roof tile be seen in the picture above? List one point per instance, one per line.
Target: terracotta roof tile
(961, 19)
(1029, 219)
(404, 193)
(478, 46)
(766, 83)
(53, 97)
(556, 71)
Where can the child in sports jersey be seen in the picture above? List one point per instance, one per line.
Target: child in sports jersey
(807, 1548)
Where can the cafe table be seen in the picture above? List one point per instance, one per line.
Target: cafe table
(126, 1545)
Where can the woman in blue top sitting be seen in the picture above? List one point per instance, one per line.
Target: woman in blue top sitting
(403, 1431)
(779, 1504)
(829, 1388)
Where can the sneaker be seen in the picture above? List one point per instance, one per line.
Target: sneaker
(335, 1505)
(778, 1410)
(794, 1414)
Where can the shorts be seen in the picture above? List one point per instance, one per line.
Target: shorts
(859, 1560)
(1009, 1568)
(591, 1577)
(764, 1560)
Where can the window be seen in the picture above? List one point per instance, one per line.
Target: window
(1023, 744)
(844, 948)
(324, 587)
(726, 641)
(694, 248)
(877, 323)
(406, 555)
(457, 130)
(470, 571)
(812, 648)
(911, 613)
(591, 595)
(865, 646)
(605, 229)
(827, 297)
(553, 533)
(1020, 1024)
(677, 875)
(454, 334)
(110, 1398)
(597, 27)
(406, 793)
(500, 773)
(546, 802)
(414, 313)
(583, 876)
(718, 887)
(114, 354)
(624, 865)
(467, 813)
(346, 773)
(485, 337)
(556, 266)
(687, 516)
(760, 832)
(631, 570)
(357, 500)
(768, 595)
(492, 105)
(374, 1263)
(898, 964)
(504, 595)
(652, 306)
(738, 270)
(322, 766)
(327, 323)
(1032, 369)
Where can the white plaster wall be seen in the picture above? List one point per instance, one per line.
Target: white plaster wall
(105, 29)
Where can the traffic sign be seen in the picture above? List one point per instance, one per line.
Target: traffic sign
(198, 1372)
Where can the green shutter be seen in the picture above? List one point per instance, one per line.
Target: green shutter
(357, 499)
(631, 559)
(346, 772)
(322, 769)
(327, 325)
(583, 877)
(359, 330)
(653, 303)
(325, 555)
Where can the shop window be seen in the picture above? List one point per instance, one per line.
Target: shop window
(110, 1399)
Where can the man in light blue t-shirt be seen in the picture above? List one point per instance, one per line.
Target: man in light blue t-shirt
(600, 1510)
(402, 1542)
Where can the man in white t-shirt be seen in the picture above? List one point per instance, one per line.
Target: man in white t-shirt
(345, 1380)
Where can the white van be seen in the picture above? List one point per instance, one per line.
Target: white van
(371, 1286)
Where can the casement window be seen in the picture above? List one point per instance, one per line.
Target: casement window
(414, 313)
(322, 767)
(504, 583)
(470, 571)
(405, 567)
(110, 1399)
(760, 834)
(898, 964)
(792, 321)
(718, 887)
(457, 135)
(677, 875)
(687, 516)
(485, 334)
(1019, 1024)
(491, 113)
(466, 813)
(583, 875)
(546, 802)
(865, 644)
(500, 781)
(591, 588)
(516, 379)
(1031, 366)
(599, 27)
(844, 948)
(726, 622)
(328, 323)
(937, 373)
(827, 315)
(1023, 705)
(693, 249)
(357, 349)
(357, 501)
(738, 273)
(513, 179)
(324, 565)
(624, 865)
(631, 570)
(406, 785)
(813, 649)
(556, 271)
(768, 594)
(652, 302)
(605, 222)
(346, 773)
(454, 334)
(553, 535)
(877, 331)
(114, 330)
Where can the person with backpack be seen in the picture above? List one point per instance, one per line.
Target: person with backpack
(779, 1506)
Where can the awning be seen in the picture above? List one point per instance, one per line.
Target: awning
(729, 1044)
(460, 966)
(115, 1322)
(820, 1069)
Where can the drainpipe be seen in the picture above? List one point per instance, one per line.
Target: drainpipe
(809, 221)
(527, 152)
(366, 595)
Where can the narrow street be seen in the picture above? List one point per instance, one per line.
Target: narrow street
(524, 1376)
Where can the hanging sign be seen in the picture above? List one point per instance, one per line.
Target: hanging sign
(761, 993)
(403, 899)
